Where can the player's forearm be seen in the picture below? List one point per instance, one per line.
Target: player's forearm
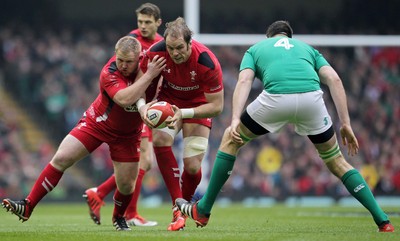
(132, 93)
(339, 98)
(213, 108)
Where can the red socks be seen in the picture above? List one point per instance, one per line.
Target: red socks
(121, 202)
(45, 183)
(106, 187)
(169, 170)
(189, 184)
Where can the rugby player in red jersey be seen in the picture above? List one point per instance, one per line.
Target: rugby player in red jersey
(112, 118)
(192, 82)
(148, 20)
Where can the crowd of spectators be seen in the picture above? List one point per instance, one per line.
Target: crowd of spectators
(53, 75)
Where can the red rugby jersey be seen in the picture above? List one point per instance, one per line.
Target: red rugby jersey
(184, 84)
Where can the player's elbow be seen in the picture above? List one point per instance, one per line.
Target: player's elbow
(123, 102)
(217, 103)
(218, 108)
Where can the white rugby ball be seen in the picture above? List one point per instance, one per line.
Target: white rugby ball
(159, 112)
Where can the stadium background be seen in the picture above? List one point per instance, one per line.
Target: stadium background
(51, 53)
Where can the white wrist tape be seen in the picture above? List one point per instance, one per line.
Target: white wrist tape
(187, 113)
(141, 102)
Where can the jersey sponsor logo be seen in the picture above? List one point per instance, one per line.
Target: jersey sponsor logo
(131, 108)
(167, 70)
(215, 88)
(181, 88)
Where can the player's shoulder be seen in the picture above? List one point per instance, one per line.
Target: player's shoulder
(205, 56)
(110, 71)
(134, 33)
(160, 46)
(111, 66)
(158, 37)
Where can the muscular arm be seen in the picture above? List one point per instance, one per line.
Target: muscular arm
(329, 77)
(213, 108)
(129, 95)
(241, 92)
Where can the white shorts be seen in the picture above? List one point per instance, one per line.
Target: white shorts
(306, 111)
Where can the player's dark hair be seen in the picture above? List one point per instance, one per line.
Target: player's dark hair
(149, 9)
(178, 28)
(279, 27)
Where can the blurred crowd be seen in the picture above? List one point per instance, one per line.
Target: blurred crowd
(53, 75)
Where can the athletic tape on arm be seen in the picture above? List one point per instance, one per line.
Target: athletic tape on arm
(140, 102)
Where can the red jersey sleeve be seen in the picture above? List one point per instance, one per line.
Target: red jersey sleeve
(214, 79)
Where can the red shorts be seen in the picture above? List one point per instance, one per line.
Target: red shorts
(147, 133)
(204, 121)
(122, 149)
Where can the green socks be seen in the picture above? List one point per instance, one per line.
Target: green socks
(357, 187)
(220, 173)
(352, 179)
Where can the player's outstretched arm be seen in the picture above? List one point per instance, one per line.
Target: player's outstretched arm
(329, 77)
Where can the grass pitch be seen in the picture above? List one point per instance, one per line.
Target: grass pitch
(70, 222)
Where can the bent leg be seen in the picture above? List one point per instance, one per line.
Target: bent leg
(167, 164)
(146, 158)
(222, 169)
(125, 177)
(351, 178)
(69, 152)
(195, 143)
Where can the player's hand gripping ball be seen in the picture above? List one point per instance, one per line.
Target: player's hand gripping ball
(159, 112)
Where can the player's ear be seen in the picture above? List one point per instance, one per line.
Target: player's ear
(159, 22)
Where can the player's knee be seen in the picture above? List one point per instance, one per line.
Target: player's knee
(145, 165)
(164, 137)
(194, 145)
(62, 161)
(193, 167)
(126, 187)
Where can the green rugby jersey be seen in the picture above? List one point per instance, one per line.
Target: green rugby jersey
(284, 65)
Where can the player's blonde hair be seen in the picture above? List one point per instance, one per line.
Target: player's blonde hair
(128, 44)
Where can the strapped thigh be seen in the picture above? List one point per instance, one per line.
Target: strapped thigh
(330, 154)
